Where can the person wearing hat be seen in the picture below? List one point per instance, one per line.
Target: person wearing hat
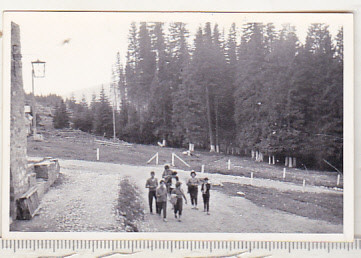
(167, 172)
(192, 184)
(161, 194)
(152, 184)
(205, 188)
(178, 207)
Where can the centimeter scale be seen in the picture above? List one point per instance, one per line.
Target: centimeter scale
(115, 248)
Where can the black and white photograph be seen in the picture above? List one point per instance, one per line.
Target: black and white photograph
(140, 123)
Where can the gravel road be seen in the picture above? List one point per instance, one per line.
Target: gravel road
(85, 199)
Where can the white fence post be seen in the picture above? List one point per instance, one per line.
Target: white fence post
(284, 173)
(155, 156)
(273, 160)
(269, 160)
(229, 164)
(202, 169)
(338, 179)
(303, 185)
(176, 156)
(173, 159)
(98, 154)
(251, 178)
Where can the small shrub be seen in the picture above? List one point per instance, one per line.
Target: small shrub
(129, 205)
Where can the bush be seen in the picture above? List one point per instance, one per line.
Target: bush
(129, 205)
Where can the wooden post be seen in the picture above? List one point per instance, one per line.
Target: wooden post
(156, 159)
(202, 169)
(303, 185)
(98, 153)
(269, 160)
(338, 179)
(229, 164)
(173, 159)
(164, 143)
(273, 160)
(252, 153)
(294, 162)
(286, 162)
(284, 173)
(217, 148)
(251, 178)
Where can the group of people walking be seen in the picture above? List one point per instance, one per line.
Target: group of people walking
(169, 188)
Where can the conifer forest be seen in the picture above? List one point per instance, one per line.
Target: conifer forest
(254, 88)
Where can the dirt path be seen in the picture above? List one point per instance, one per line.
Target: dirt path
(85, 202)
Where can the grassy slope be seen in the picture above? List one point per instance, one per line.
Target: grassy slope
(321, 206)
(80, 145)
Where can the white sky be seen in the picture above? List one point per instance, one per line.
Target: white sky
(95, 38)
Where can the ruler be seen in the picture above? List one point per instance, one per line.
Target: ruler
(104, 248)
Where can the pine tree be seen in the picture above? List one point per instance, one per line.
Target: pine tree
(194, 93)
(178, 69)
(146, 70)
(224, 89)
(61, 117)
(249, 112)
(161, 91)
(103, 122)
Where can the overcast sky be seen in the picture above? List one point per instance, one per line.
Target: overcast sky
(95, 38)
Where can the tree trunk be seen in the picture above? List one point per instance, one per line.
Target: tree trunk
(290, 162)
(217, 129)
(210, 131)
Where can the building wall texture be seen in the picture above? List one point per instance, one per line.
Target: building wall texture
(18, 134)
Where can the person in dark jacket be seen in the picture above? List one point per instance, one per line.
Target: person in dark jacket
(205, 188)
(152, 184)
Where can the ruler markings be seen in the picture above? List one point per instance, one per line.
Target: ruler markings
(173, 245)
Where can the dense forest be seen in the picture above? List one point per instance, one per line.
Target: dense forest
(256, 89)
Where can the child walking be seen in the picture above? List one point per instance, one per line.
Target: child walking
(192, 184)
(161, 194)
(178, 207)
(206, 186)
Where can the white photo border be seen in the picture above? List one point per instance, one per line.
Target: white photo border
(348, 194)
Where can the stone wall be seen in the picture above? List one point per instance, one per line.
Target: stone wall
(18, 134)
